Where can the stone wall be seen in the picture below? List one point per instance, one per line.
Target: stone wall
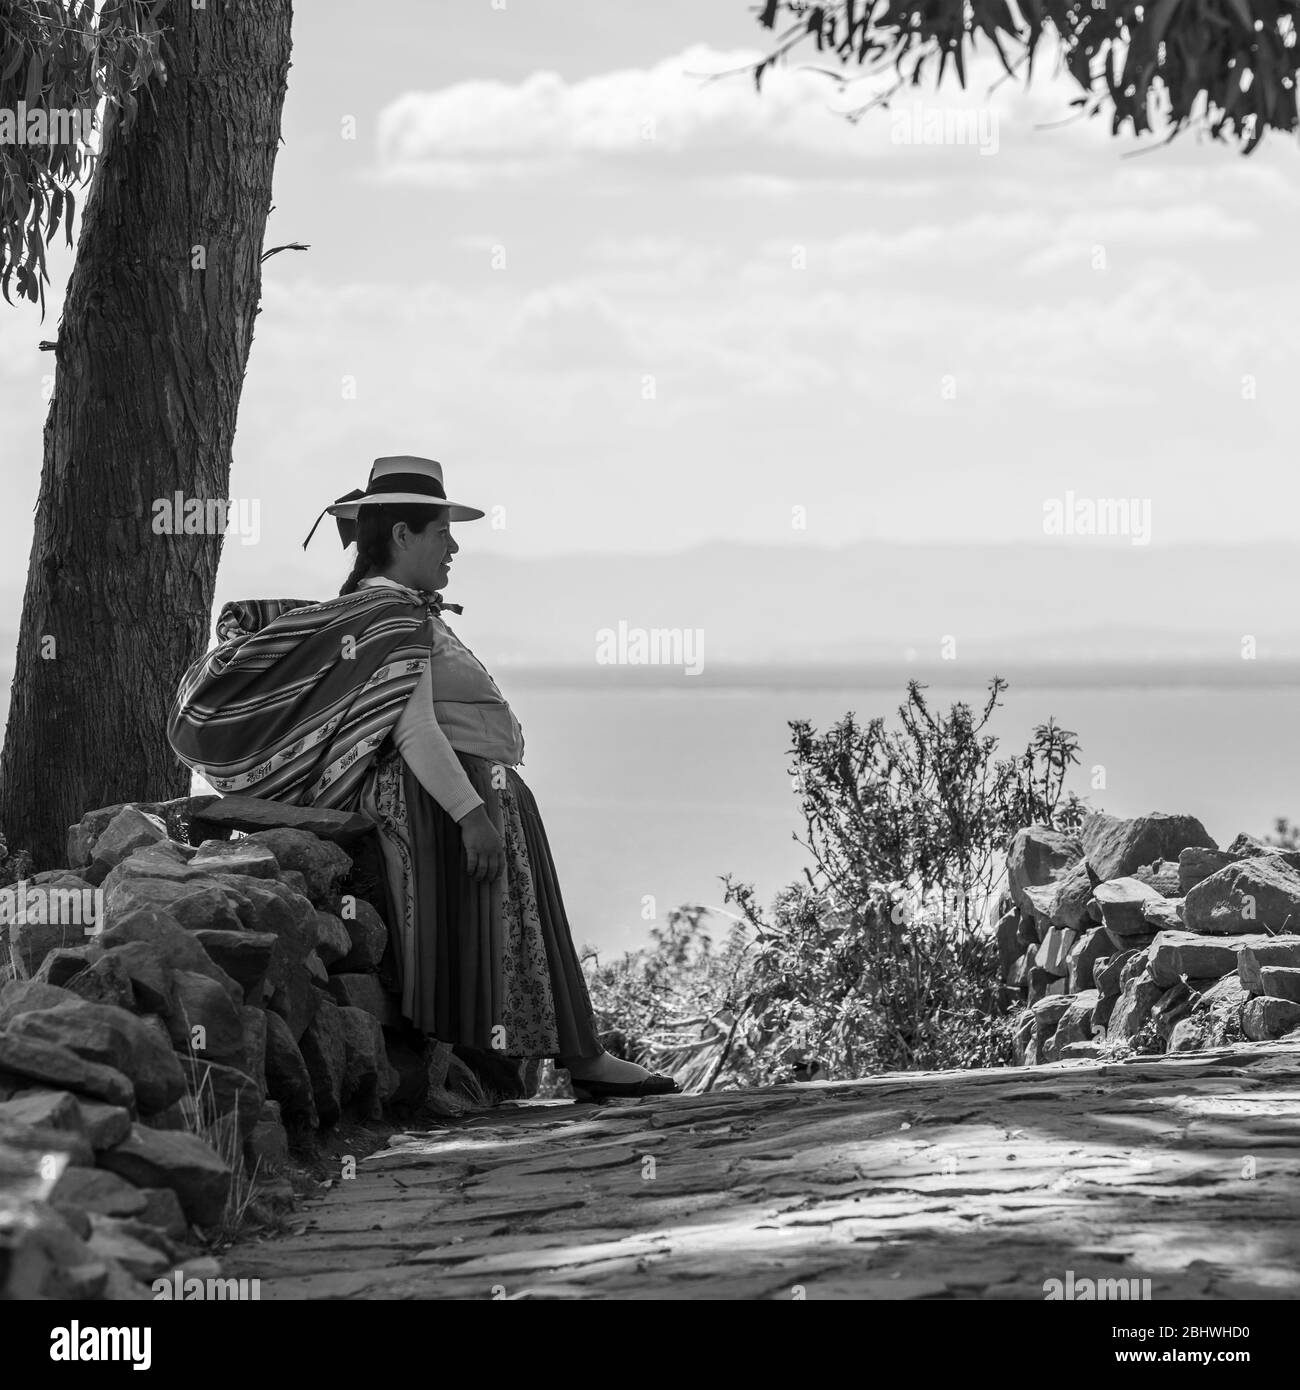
(177, 1005)
(1144, 936)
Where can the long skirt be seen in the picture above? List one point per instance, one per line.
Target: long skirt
(486, 965)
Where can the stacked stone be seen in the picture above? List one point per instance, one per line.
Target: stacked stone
(223, 977)
(1144, 935)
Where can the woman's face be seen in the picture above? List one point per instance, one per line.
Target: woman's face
(422, 559)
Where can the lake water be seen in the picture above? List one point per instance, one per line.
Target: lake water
(657, 792)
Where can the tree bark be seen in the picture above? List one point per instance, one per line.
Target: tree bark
(152, 347)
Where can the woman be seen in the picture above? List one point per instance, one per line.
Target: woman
(370, 702)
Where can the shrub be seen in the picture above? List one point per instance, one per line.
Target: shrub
(884, 957)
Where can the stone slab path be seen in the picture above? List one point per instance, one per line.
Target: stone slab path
(1182, 1170)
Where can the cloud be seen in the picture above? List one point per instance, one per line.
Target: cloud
(1033, 240)
(568, 327)
(700, 110)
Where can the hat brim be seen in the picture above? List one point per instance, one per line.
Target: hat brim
(458, 510)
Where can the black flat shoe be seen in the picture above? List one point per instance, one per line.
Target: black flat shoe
(598, 1091)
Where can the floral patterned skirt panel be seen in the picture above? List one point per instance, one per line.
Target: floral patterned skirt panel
(485, 965)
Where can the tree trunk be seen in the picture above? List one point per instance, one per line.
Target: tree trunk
(152, 348)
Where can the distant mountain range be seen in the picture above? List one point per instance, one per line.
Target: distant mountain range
(1112, 608)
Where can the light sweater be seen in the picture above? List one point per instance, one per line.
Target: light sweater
(455, 707)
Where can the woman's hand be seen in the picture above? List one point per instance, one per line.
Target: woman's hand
(484, 853)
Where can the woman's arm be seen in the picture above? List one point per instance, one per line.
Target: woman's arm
(426, 751)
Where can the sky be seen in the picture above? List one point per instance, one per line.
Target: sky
(635, 306)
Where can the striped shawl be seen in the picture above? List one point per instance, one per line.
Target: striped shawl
(296, 698)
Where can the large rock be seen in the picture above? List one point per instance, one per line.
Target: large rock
(1175, 955)
(44, 1258)
(237, 857)
(1122, 901)
(254, 1025)
(63, 965)
(1281, 982)
(37, 1141)
(97, 1190)
(1253, 895)
(250, 813)
(1262, 1019)
(22, 996)
(1037, 856)
(1115, 848)
(1258, 952)
(1040, 899)
(1246, 845)
(332, 940)
(1133, 1007)
(205, 1021)
(181, 1162)
(178, 815)
(366, 992)
(1075, 1024)
(1196, 864)
(227, 1091)
(324, 1049)
(1134, 967)
(1163, 914)
(1054, 953)
(52, 1064)
(266, 1149)
(1215, 1018)
(170, 944)
(1162, 876)
(295, 1000)
(1007, 933)
(271, 907)
(103, 1124)
(43, 1109)
(83, 835)
(1107, 972)
(1043, 985)
(30, 932)
(165, 860)
(321, 862)
(244, 955)
(287, 1080)
(105, 980)
(113, 1038)
(1172, 1007)
(1087, 951)
(411, 1064)
(368, 935)
(121, 1241)
(152, 985)
(196, 905)
(1071, 895)
(131, 829)
(1048, 1013)
(368, 1080)
(1019, 976)
(164, 1211)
